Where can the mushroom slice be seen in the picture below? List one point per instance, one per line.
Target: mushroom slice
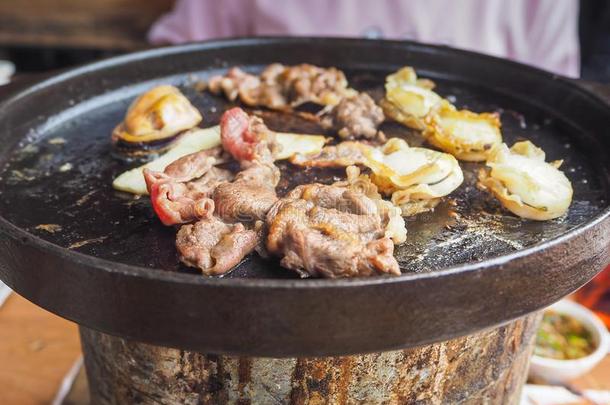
(466, 135)
(409, 100)
(524, 183)
(416, 178)
(154, 120)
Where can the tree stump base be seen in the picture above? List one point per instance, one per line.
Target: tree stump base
(486, 367)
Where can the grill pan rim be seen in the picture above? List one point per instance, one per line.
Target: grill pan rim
(107, 265)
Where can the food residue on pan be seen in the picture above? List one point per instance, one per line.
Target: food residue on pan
(66, 167)
(51, 228)
(19, 175)
(134, 200)
(85, 198)
(82, 243)
(56, 141)
(29, 149)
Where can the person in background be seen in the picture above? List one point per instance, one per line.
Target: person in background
(594, 29)
(543, 33)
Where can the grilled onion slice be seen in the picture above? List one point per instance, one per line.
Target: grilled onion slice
(466, 135)
(416, 178)
(409, 100)
(197, 139)
(153, 121)
(524, 183)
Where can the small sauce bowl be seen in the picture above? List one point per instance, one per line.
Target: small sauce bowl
(560, 371)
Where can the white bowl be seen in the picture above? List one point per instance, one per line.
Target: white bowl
(559, 371)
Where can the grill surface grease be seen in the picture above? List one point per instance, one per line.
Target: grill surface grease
(58, 186)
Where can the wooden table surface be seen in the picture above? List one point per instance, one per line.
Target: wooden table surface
(37, 349)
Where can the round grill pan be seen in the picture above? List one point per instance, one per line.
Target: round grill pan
(107, 263)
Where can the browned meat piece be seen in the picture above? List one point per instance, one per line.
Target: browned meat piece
(214, 246)
(330, 231)
(356, 117)
(252, 193)
(250, 196)
(283, 87)
(246, 137)
(182, 193)
(237, 84)
(315, 253)
(217, 243)
(192, 166)
(308, 83)
(341, 155)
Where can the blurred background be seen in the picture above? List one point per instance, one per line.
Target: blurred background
(568, 36)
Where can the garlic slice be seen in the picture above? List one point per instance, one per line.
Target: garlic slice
(524, 183)
(466, 135)
(293, 144)
(409, 100)
(415, 177)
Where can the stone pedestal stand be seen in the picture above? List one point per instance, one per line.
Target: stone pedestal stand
(487, 367)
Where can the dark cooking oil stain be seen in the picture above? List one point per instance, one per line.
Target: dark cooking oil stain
(91, 217)
(293, 176)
